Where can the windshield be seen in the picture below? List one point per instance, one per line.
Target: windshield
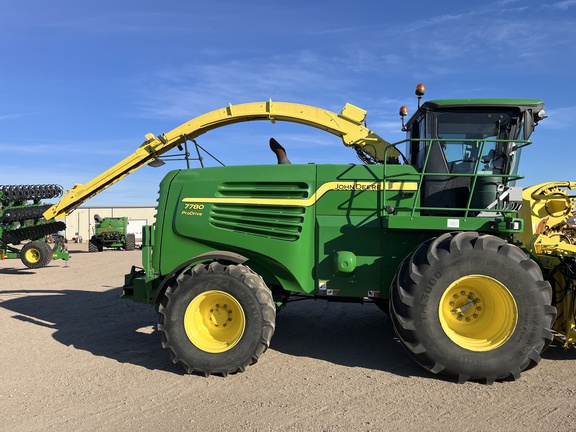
(480, 130)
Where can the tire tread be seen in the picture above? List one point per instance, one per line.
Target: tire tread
(411, 275)
(260, 292)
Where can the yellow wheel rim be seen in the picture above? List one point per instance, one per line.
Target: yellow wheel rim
(478, 313)
(32, 255)
(214, 321)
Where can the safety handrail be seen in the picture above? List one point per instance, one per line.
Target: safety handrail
(417, 207)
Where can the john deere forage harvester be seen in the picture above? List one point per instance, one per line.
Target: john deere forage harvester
(428, 229)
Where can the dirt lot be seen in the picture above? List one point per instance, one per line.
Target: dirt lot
(75, 357)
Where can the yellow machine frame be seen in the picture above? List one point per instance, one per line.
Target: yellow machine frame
(349, 125)
(546, 208)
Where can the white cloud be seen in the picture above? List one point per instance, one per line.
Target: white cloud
(197, 88)
(563, 4)
(15, 116)
(91, 148)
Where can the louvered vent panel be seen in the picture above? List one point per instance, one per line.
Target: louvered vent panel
(279, 222)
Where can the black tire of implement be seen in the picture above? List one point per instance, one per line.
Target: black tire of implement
(23, 213)
(44, 251)
(31, 233)
(29, 192)
(130, 244)
(423, 277)
(49, 252)
(94, 245)
(247, 288)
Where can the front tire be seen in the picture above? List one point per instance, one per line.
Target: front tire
(472, 307)
(217, 318)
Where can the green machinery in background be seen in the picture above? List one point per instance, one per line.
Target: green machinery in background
(22, 223)
(111, 232)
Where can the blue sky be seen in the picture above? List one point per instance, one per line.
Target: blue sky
(82, 83)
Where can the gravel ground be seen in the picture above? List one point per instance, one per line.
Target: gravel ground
(75, 357)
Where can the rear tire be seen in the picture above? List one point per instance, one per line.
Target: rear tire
(130, 242)
(472, 307)
(36, 254)
(217, 318)
(95, 245)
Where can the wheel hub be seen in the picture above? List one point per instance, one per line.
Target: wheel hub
(478, 313)
(220, 316)
(33, 255)
(214, 321)
(466, 306)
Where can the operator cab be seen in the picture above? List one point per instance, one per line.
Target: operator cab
(452, 141)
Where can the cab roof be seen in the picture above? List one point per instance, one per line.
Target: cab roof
(462, 103)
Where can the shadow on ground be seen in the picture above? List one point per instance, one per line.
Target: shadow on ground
(99, 323)
(351, 335)
(18, 271)
(557, 352)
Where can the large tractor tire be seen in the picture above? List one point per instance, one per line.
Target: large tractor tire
(217, 318)
(472, 307)
(130, 244)
(36, 254)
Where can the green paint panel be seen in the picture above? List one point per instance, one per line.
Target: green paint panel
(260, 212)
